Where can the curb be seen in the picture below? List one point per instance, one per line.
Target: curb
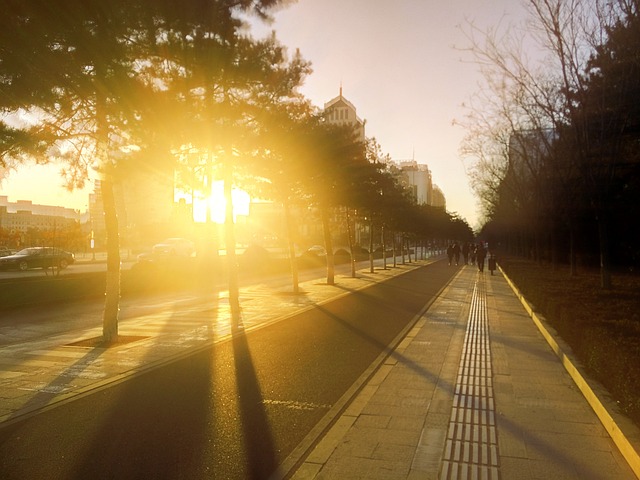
(321, 441)
(627, 450)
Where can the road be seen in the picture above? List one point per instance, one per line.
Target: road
(233, 411)
(78, 267)
(36, 322)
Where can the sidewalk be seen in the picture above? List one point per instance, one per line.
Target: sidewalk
(473, 392)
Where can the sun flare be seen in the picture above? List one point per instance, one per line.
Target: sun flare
(216, 204)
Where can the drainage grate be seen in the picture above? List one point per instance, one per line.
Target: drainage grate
(471, 449)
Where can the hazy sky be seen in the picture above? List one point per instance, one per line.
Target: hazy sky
(401, 65)
(398, 65)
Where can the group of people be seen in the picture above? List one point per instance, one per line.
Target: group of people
(471, 254)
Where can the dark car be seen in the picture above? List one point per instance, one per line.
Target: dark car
(37, 257)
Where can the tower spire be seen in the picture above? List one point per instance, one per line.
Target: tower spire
(341, 88)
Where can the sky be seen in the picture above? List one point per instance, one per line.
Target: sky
(399, 62)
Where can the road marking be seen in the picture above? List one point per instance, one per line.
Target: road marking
(294, 405)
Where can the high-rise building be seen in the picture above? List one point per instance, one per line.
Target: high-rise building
(418, 177)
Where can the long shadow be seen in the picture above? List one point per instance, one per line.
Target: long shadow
(549, 452)
(542, 446)
(258, 439)
(149, 437)
(519, 343)
(124, 431)
(532, 441)
(390, 350)
(54, 388)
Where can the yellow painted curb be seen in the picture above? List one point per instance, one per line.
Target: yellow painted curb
(626, 448)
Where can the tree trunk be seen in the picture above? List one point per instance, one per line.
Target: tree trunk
(328, 245)
(384, 248)
(292, 249)
(402, 249)
(605, 261)
(112, 289)
(230, 247)
(573, 264)
(352, 259)
(371, 244)
(393, 249)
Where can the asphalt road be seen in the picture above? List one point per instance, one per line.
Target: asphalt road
(233, 411)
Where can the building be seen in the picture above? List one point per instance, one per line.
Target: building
(438, 198)
(340, 111)
(21, 216)
(24, 223)
(418, 177)
(36, 209)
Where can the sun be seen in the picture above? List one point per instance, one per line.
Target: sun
(216, 204)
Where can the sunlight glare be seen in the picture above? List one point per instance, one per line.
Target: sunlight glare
(217, 204)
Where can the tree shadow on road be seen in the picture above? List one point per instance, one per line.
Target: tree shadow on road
(258, 440)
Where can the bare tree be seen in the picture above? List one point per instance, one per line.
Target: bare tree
(544, 95)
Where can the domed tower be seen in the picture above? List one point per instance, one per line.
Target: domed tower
(341, 111)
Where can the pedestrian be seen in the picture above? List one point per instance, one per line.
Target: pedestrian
(450, 253)
(492, 262)
(456, 252)
(481, 254)
(465, 252)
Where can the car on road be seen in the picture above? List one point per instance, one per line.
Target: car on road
(316, 251)
(37, 257)
(181, 247)
(171, 252)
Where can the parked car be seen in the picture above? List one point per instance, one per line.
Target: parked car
(175, 246)
(37, 257)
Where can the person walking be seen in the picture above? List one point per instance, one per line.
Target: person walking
(481, 254)
(492, 262)
(450, 253)
(456, 252)
(465, 252)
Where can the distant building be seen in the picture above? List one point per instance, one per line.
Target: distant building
(340, 111)
(438, 199)
(418, 177)
(23, 215)
(36, 209)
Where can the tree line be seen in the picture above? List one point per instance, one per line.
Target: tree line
(111, 86)
(554, 135)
